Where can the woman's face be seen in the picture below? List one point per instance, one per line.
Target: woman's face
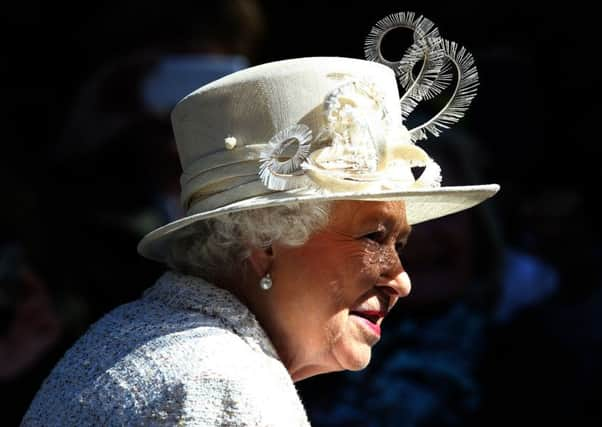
(329, 296)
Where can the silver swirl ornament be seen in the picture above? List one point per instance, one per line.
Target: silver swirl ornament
(277, 174)
(429, 81)
(464, 91)
(427, 50)
(439, 58)
(421, 26)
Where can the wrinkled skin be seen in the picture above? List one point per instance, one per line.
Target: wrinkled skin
(330, 295)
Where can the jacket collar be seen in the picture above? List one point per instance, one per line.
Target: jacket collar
(194, 293)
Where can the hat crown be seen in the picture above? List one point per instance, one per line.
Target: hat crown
(221, 120)
(254, 104)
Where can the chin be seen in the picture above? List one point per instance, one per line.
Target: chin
(355, 359)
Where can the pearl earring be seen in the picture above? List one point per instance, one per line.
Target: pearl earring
(266, 282)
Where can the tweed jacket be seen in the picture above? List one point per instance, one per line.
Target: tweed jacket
(186, 353)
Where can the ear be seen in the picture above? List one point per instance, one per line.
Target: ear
(261, 260)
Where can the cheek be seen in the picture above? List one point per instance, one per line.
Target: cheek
(336, 296)
(335, 329)
(346, 344)
(389, 258)
(339, 267)
(324, 323)
(370, 261)
(384, 258)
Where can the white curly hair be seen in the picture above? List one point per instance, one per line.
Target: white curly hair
(219, 246)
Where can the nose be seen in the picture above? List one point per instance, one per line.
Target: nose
(398, 287)
(394, 280)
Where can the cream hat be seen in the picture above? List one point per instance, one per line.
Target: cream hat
(324, 128)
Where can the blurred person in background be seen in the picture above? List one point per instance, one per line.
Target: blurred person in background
(39, 317)
(118, 128)
(115, 140)
(543, 364)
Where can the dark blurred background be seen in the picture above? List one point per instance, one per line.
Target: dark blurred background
(509, 331)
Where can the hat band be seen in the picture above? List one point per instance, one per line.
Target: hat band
(214, 180)
(240, 192)
(218, 172)
(221, 158)
(234, 181)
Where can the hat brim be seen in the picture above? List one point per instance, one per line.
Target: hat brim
(421, 205)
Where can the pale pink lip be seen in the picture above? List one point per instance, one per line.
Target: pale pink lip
(370, 319)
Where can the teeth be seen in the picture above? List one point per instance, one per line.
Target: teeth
(374, 308)
(371, 318)
(371, 305)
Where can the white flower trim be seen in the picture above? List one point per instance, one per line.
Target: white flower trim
(366, 150)
(277, 175)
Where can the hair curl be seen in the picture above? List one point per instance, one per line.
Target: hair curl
(218, 246)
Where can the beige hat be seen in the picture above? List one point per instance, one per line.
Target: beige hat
(315, 129)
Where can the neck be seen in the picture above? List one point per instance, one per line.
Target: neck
(302, 372)
(264, 306)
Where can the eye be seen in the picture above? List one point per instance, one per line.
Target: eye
(376, 236)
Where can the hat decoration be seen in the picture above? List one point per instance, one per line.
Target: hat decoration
(362, 147)
(323, 128)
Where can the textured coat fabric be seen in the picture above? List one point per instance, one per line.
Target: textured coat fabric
(186, 353)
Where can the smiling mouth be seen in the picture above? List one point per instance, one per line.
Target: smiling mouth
(371, 316)
(370, 320)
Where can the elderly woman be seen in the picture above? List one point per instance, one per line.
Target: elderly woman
(300, 194)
